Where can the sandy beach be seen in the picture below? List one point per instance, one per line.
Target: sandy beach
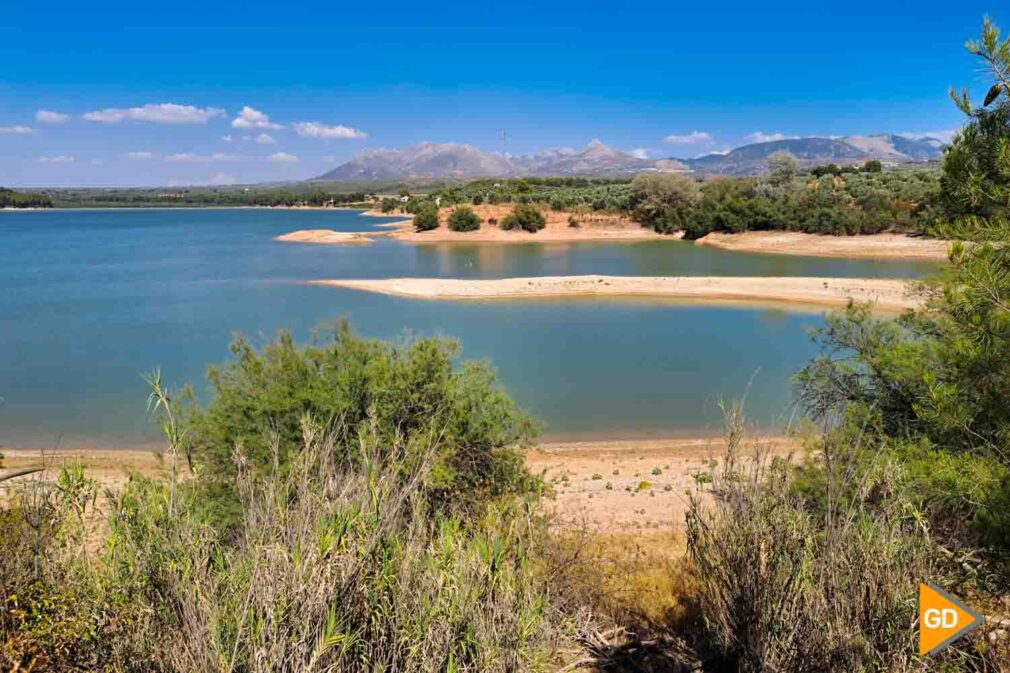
(614, 485)
(886, 294)
(625, 485)
(876, 246)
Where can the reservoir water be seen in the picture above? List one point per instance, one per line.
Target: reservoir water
(92, 299)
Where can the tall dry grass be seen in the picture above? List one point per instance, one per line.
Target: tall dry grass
(790, 585)
(336, 565)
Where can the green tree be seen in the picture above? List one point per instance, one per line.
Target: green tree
(940, 377)
(664, 201)
(426, 217)
(782, 167)
(463, 219)
(526, 217)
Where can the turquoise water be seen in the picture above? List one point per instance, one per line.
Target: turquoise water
(90, 300)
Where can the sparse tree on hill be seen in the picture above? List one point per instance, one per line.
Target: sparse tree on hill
(426, 217)
(526, 217)
(463, 219)
(782, 168)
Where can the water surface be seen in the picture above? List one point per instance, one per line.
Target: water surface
(89, 300)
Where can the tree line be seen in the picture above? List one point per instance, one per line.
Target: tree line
(12, 199)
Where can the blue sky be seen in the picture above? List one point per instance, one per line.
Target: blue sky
(149, 93)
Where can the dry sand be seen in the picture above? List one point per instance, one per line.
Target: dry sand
(632, 485)
(111, 467)
(597, 485)
(886, 294)
(877, 246)
(327, 236)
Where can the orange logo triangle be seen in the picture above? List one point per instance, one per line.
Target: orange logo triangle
(942, 619)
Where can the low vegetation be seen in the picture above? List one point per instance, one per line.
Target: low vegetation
(208, 197)
(524, 216)
(353, 505)
(426, 217)
(12, 199)
(462, 218)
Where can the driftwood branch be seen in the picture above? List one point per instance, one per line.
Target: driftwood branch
(20, 473)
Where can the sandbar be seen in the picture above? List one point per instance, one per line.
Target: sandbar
(884, 293)
(873, 246)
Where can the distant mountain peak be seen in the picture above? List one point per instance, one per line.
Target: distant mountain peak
(452, 160)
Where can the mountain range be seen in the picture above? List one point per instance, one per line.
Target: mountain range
(451, 160)
(753, 159)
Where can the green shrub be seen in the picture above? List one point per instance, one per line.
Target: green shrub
(463, 219)
(400, 392)
(426, 217)
(389, 204)
(525, 217)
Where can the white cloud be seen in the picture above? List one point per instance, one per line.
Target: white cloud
(639, 153)
(50, 117)
(320, 130)
(158, 113)
(140, 156)
(188, 157)
(945, 136)
(60, 159)
(282, 158)
(15, 130)
(223, 179)
(251, 118)
(228, 138)
(761, 137)
(692, 138)
(264, 139)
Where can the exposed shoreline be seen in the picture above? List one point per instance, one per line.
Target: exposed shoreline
(885, 294)
(872, 246)
(325, 236)
(598, 484)
(592, 227)
(891, 246)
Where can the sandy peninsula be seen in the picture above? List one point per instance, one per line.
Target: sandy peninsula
(326, 236)
(591, 227)
(886, 294)
(617, 228)
(875, 246)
